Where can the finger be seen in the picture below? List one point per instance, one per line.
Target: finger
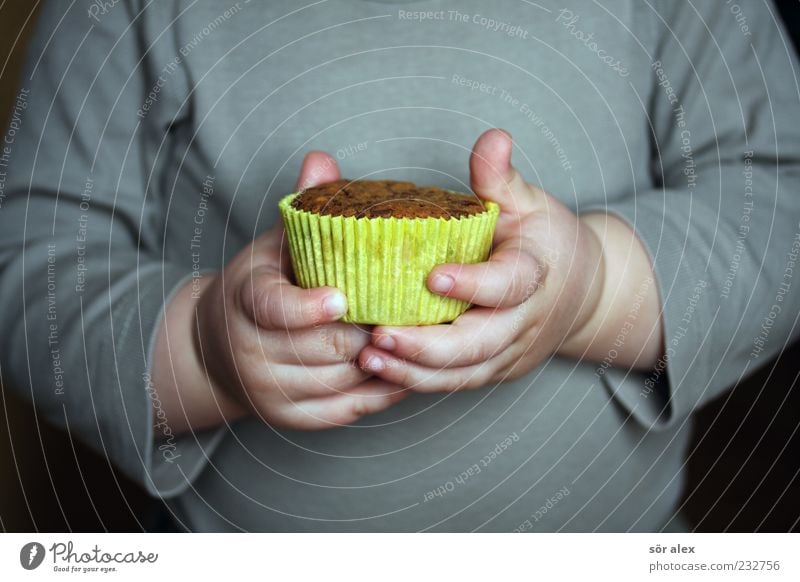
(493, 177)
(320, 344)
(317, 168)
(296, 382)
(271, 302)
(509, 277)
(345, 408)
(422, 378)
(476, 336)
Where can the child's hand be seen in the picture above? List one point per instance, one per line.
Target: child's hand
(267, 345)
(540, 286)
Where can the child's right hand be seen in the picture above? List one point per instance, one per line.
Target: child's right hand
(265, 344)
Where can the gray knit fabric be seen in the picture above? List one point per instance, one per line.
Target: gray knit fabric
(139, 122)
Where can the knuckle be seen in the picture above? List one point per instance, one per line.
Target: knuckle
(291, 313)
(270, 307)
(518, 287)
(534, 279)
(278, 308)
(484, 375)
(475, 352)
(341, 344)
(477, 378)
(307, 308)
(463, 379)
(259, 298)
(256, 299)
(526, 273)
(402, 372)
(425, 354)
(420, 350)
(452, 386)
(359, 407)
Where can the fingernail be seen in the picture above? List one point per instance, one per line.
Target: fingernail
(374, 363)
(385, 342)
(335, 305)
(442, 283)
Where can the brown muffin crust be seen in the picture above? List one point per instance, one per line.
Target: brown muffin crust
(385, 198)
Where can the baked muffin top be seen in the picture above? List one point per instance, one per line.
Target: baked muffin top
(384, 199)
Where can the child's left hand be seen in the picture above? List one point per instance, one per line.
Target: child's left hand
(540, 286)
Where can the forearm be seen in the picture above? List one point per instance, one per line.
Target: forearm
(189, 398)
(626, 325)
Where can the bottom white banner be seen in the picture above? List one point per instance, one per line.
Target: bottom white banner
(350, 557)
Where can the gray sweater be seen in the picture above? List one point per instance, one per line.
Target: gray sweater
(152, 140)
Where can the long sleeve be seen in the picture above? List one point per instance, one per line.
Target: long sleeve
(82, 280)
(721, 223)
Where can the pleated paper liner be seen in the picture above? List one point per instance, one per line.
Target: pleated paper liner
(382, 264)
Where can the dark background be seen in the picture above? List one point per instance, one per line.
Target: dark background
(743, 464)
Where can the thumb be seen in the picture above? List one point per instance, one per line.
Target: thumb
(494, 178)
(318, 168)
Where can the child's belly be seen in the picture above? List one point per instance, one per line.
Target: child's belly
(551, 451)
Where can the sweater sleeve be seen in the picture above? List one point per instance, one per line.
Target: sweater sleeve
(721, 224)
(82, 280)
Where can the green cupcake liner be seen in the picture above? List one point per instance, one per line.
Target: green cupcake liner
(382, 264)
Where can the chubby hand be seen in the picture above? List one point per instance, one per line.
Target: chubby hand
(278, 349)
(537, 290)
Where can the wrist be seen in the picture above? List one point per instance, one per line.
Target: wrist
(227, 406)
(190, 398)
(593, 295)
(626, 323)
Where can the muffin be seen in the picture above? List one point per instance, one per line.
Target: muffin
(377, 241)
